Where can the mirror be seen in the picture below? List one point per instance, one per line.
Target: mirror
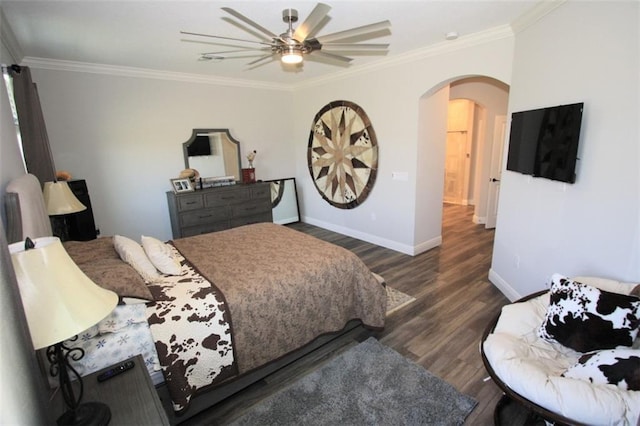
(213, 153)
(284, 201)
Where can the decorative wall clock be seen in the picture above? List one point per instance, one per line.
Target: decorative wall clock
(343, 154)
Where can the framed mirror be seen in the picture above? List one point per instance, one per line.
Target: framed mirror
(284, 201)
(213, 153)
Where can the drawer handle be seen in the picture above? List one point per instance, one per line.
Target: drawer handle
(250, 208)
(205, 217)
(228, 198)
(190, 202)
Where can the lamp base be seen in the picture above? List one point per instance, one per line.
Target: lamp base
(88, 413)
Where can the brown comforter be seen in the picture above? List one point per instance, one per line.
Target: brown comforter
(283, 287)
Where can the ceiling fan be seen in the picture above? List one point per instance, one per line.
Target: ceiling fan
(292, 45)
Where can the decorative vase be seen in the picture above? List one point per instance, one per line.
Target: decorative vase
(249, 175)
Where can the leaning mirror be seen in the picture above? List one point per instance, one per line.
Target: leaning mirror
(284, 201)
(213, 153)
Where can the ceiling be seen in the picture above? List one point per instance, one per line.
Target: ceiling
(146, 34)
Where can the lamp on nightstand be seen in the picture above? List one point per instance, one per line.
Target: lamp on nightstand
(60, 201)
(60, 301)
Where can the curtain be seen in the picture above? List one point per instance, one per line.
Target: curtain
(35, 142)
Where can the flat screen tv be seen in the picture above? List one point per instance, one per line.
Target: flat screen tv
(544, 142)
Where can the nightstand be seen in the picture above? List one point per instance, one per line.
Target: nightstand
(130, 395)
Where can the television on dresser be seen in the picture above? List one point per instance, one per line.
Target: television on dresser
(544, 142)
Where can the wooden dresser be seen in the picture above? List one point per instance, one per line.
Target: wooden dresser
(216, 209)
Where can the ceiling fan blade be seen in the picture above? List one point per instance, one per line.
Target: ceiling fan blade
(249, 22)
(220, 52)
(224, 38)
(262, 58)
(354, 32)
(213, 43)
(355, 46)
(331, 56)
(261, 64)
(315, 17)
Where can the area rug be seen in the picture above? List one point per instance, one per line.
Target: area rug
(397, 300)
(369, 384)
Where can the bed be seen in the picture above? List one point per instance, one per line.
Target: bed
(217, 311)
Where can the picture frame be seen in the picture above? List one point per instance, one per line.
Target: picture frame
(180, 185)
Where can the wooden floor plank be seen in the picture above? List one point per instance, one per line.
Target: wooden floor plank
(441, 330)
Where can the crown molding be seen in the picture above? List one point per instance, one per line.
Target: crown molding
(9, 40)
(534, 14)
(115, 70)
(464, 42)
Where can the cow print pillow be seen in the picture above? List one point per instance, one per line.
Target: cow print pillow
(586, 319)
(620, 367)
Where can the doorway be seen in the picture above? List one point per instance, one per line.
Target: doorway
(476, 128)
(458, 156)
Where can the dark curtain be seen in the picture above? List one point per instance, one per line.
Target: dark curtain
(35, 142)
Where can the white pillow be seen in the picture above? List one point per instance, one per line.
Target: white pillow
(160, 255)
(132, 253)
(620, 367)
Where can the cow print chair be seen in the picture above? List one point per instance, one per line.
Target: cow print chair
(570, 354)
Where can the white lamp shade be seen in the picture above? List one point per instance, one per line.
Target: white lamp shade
(60, 200)
(59, 300)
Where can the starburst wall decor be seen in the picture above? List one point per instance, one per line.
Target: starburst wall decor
(343, 154)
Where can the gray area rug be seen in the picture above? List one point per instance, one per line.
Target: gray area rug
(369, 384)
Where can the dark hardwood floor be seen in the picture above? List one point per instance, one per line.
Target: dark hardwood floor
(441, 330)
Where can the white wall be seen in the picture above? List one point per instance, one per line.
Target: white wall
(582, 52)
(408, 142)
(124, 136)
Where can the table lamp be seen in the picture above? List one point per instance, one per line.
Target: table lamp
(60, 201)
(60, 301)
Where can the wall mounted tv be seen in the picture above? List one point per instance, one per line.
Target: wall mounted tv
(544, 142)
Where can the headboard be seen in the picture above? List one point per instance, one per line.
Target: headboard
(26, 212)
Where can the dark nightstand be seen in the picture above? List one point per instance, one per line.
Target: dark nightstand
(130, 395)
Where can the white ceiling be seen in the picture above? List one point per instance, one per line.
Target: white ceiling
(145, 34)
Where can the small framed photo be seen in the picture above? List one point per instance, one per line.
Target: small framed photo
(181, 185)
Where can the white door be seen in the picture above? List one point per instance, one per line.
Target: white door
(455, 170)
(495, 174)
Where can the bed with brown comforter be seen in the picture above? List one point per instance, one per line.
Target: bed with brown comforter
(248, 296)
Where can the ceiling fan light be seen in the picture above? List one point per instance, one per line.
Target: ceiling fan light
(291, 56)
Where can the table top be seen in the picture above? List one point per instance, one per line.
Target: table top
(130, 396)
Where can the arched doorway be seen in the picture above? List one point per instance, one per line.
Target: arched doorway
(485, 102)
(491, 97)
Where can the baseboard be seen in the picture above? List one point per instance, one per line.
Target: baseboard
(286, 220)
(382, 242)
(428, 245)
(479, 220)
(503, 286)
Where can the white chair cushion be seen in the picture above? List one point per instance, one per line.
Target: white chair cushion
(533, 367)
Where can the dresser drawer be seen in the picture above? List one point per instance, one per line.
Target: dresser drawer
(190, 202)
(205, 216)
(204, 229)
(260, 191)
(250, 208)
(225, 196)
(247, 220)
